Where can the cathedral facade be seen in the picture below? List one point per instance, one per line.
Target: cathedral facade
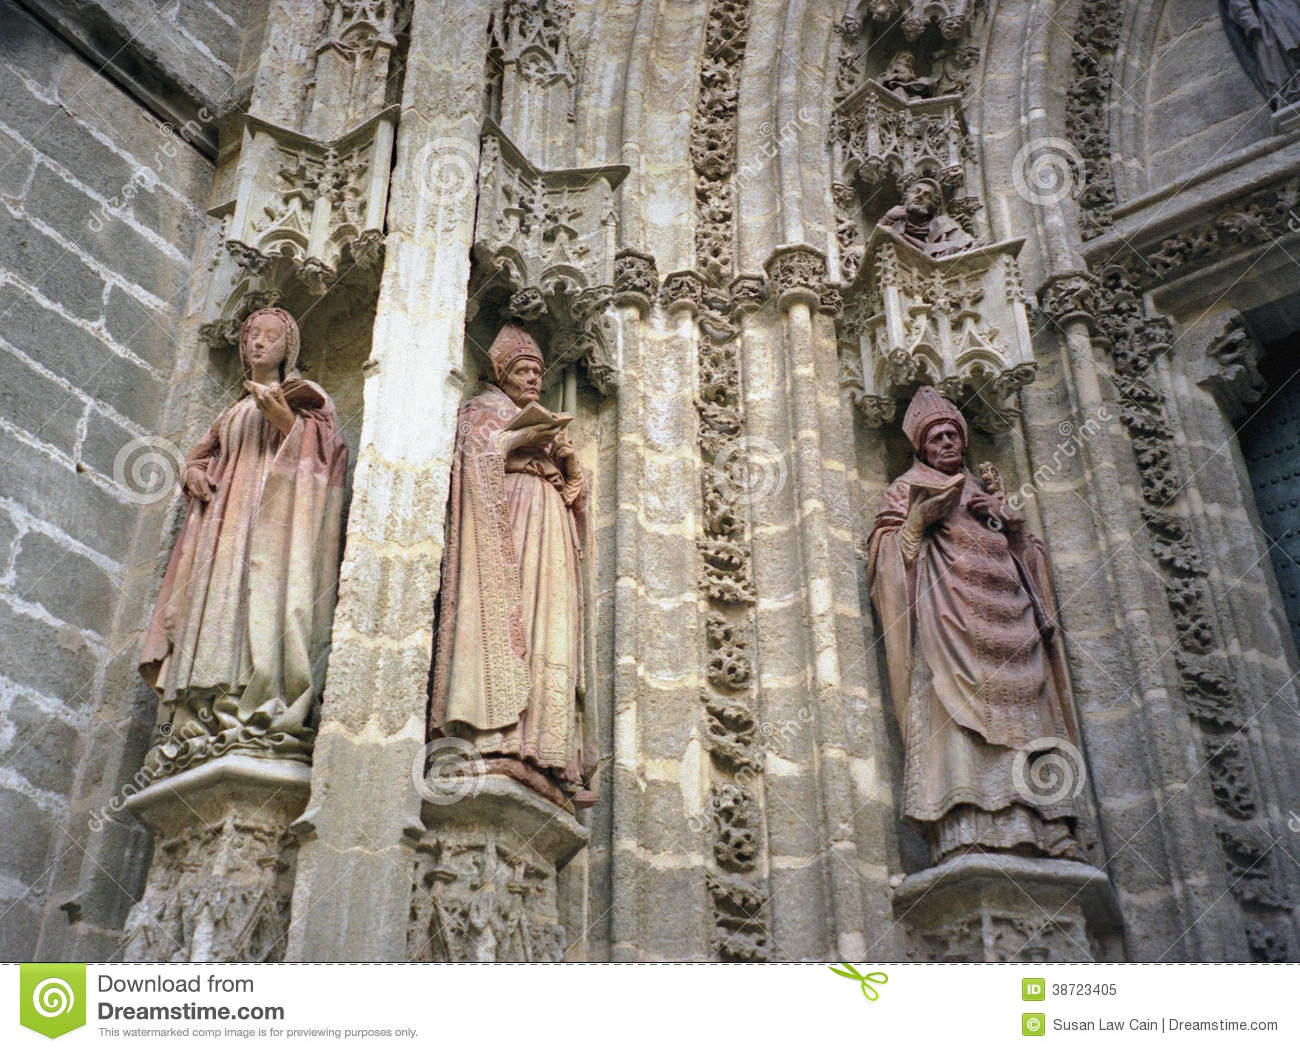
(756, 250)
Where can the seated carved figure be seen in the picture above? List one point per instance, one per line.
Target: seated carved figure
(920, 221)
(975, 665)
(510, 664)
(902, 79)
(237, 644)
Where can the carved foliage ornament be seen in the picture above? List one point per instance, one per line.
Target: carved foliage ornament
(1096, 36)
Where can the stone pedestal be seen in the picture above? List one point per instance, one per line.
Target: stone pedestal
(221, 879)
(499, 875)
(1000, 908)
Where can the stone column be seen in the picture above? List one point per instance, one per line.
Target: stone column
(352, 894)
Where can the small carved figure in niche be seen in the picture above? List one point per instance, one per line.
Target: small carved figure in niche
(920, 221)
(510, 667)
(975, 665)
(902, 79)
(238, 641)
(1265, 34)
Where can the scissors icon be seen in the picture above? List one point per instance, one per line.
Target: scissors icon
(868, 991)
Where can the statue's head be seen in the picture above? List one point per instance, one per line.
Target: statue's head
(937, 430)
(924, 198)
(269, 337)
(518, 364)
(902, 65)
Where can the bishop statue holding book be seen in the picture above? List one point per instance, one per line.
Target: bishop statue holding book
(510, 665)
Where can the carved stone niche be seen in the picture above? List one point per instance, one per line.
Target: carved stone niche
(499, 875)
(318, 205)
(953, 17)
(885, 138)
(221, 880)
(958, 322)
(1003, 908)
(549, 237)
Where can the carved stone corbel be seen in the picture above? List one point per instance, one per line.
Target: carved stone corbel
(1236, 381)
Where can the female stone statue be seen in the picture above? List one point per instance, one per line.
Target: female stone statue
(238, 641)
(975, 668)
(509, 672)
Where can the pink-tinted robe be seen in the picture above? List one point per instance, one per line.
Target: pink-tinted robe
(972, 675)
(239, 637)
(510, 668)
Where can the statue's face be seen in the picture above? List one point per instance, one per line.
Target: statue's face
(903, 64)
(942, 448)
(265, 342)
(523, 381)
(920, 200)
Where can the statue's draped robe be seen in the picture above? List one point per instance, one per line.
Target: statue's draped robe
(972, 677)
(239, 638)
(1272, 60)
(510, 669)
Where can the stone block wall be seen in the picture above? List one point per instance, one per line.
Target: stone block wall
(100, 212)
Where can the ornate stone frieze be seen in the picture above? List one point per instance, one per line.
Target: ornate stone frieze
(1267, 944)
(713, 137)
(1135, 338)
(885, 138)
(356, 51)
(221, 878)
(796, 272)
(718, 298)
(1087, 108)
(740, 930)
(952, 17)
(734, 810)
(549, 236)
(636, 279)
(318, 206)
(1236, 381)
(726, 570)
(1230, 780)
(485, 881)
(474, 899)
(1252, 868)
(1256, 220)
(534, 36)
(1004, 909)
(732, 731)
(957, 322)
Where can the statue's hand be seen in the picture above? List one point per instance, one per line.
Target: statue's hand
(538, 436)
(271, 401)
(196, 483)
(926, 511)
(566, 455)
(997, 514)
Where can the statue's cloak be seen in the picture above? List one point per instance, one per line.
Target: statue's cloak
(239, 637)
(513, 657)
(976, 668)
